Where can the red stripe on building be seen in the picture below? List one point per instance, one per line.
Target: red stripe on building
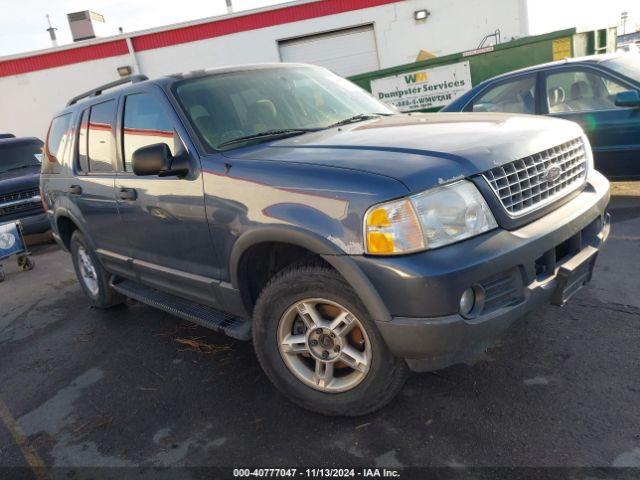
(215, 28)
(63, 57)
(252, 21)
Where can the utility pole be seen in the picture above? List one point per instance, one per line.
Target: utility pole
(52, 32)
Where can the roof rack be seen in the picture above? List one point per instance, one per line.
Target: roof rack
(97, 91)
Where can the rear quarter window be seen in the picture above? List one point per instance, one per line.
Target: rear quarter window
(58, 145)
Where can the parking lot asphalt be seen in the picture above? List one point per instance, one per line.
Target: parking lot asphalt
(133, 386)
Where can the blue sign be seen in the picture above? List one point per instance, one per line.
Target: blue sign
(10, 240)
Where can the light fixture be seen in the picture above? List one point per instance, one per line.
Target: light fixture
(124, 70)
(421, 14)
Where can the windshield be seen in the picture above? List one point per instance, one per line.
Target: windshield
(15, 156)
(228, 106)
(627, 65)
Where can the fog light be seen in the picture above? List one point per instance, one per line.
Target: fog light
(467, 301)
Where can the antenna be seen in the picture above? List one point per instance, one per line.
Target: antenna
(52, 32)
(229, 6)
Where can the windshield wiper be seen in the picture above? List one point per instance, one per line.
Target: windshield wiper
(279, 132)
(358, 118)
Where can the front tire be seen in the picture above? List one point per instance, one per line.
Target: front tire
(318, 345)
(92, 276)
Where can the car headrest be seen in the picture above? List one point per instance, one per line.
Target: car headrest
(579, 89)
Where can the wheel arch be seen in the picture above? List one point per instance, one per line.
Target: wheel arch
(316, 246)
(66, 222)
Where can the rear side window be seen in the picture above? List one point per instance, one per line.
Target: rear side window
(101, 148)
(145, 123)
(516, 96)
(58, 142)
(82, 164)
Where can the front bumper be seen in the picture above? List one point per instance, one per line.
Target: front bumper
(32, 224)
(519, 270)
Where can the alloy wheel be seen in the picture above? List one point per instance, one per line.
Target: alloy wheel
(324, 345)
(88, 271)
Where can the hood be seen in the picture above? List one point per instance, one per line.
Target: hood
(421, 150)
(18, 180)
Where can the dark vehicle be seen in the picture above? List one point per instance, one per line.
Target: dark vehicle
(601, 93)
(20, 161)
(283, 204)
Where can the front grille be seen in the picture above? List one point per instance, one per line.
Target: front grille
(24, 194)
(22, 201)
(522, 185)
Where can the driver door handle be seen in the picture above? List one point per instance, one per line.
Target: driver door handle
(127, 194)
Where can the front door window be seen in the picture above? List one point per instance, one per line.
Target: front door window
(581, 91)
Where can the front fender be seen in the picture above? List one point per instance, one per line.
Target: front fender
(318, 245)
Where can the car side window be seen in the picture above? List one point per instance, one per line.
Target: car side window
(145, 123)
(101, 148)
(581, 91)
(516, 96)
(82, 161)
(57, 143)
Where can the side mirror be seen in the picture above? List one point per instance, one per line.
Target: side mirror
(157, 159)
(629, 99)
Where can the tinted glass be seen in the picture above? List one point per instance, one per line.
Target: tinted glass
(57, 143)
(101, 145)
(222, 107)
(145, 123)
(18, 155)
(83, 160)
(517, 96)
(581, 91)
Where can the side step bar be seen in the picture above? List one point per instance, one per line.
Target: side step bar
(194, 312)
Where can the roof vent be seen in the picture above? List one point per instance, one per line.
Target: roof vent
(86, 25)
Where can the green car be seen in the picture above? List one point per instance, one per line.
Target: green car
(601, 93)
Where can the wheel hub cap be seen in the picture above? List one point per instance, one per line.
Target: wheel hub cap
(324, 344)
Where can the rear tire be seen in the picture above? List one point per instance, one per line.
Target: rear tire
(305, 322)
(92, 276)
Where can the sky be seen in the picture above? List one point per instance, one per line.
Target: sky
(23, 23)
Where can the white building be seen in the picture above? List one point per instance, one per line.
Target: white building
(348, 36)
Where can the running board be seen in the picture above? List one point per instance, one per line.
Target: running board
(194, 312)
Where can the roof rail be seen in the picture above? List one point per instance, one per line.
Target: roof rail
(97, 91)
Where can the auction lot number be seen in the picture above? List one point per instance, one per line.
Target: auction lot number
(315, 473)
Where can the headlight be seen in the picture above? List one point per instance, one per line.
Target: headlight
(393, 228)
(430, 219)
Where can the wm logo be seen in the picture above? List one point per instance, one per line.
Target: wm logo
(416, 77)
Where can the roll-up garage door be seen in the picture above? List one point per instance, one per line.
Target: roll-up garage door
(346, 52)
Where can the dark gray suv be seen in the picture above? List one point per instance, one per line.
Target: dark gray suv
(283, 204)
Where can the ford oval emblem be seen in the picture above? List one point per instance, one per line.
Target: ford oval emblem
(552, 174)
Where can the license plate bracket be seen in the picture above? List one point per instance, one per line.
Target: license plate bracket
(574, 274)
